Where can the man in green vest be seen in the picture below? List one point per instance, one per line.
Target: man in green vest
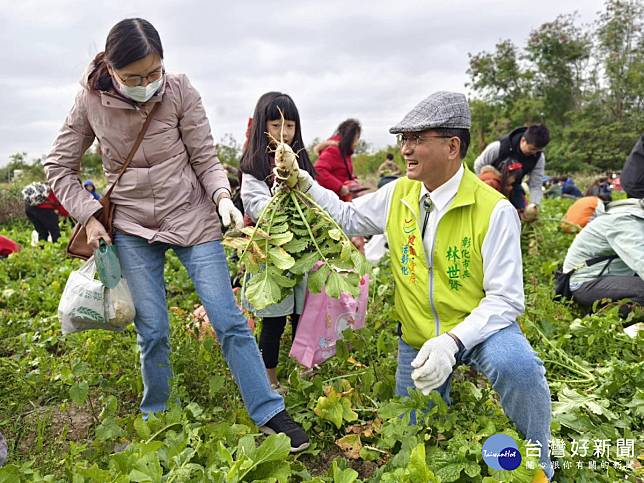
(456, 259)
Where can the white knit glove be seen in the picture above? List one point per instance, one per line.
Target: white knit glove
(531, 213)
(228, 211)
(304, 180)
(434, 363)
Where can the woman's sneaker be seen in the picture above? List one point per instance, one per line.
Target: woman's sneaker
(283, 423)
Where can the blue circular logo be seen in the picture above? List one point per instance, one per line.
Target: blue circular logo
(500, 452)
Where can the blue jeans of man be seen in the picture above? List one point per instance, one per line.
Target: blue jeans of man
(515, 372)
(142, 264)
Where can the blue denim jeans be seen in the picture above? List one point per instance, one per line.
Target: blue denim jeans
(142, 264)
(516, 373)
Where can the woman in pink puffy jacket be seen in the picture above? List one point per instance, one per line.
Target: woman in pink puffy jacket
(169, 198)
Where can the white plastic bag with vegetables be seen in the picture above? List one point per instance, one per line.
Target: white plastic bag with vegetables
(82, 305)
(87, 304)
(119, 306)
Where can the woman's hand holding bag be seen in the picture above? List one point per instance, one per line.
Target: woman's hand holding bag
(96, 232)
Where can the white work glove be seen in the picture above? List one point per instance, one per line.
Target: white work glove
(304, 180)
(434, 363)
(531, 213)
(228, 211)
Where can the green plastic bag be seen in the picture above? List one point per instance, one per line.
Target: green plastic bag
(107, 265)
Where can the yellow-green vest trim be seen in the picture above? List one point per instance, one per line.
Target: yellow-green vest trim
(428, 301)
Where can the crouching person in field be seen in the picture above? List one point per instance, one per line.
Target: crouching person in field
(523, 146)
(607, 256)
(456, 260)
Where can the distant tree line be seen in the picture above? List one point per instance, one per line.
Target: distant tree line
(586, 83)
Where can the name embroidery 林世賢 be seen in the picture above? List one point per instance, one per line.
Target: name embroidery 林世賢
(458, 263)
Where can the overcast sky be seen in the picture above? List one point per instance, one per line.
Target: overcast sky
(369, 60)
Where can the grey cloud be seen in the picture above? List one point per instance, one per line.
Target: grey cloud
(338, 59)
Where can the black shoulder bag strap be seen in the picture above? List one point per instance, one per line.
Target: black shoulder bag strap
(562, 279)
(596, 260)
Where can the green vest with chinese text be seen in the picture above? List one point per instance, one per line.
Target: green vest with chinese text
(455, 282)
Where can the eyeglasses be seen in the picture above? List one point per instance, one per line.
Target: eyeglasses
(137, 80)
(414, 140)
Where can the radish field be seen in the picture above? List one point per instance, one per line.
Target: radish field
(69, 404)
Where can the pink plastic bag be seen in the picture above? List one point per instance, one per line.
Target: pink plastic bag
(322, 322)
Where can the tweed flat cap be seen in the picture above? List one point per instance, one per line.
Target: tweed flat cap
(441, 109)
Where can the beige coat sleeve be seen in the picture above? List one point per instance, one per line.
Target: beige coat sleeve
(196, 136)
(62, 166)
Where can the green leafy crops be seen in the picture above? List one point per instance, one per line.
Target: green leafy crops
(69, 404)
(292, 235)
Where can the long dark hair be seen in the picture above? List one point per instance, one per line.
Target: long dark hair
(347, 130)
(256, 158)
(128, 41)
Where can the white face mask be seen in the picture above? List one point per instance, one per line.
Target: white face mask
(139, 93)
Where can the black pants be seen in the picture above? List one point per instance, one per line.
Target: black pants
(517, 195)
(610, 287)
(45, 221)
(269, 339)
